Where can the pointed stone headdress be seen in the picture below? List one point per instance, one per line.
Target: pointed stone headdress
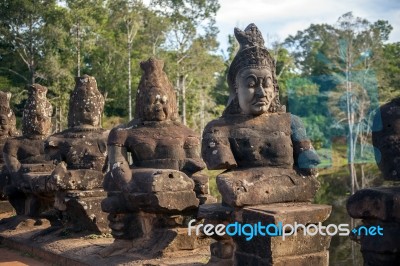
(252, 54)
(154, 77)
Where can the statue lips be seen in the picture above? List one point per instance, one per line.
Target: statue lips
(261, 102)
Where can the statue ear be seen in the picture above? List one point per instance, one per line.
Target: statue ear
(8, 95)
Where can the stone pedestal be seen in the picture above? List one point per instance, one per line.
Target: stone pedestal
(377, 207)
(82, 210)
(296, 249)
(155, 212)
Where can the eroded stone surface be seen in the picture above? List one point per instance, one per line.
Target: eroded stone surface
(163, 182)
(7, 130)
(375, 203)
(267, 155)
(81, 152)
(25, 157)
(264, 185)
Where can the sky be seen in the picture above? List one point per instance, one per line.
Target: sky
(277, 19)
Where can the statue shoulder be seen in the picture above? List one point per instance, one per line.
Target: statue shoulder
(216, 125)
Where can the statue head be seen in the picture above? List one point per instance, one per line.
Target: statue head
(36, 117)
(155, 100)
(7, 116)
(251, 77)
(86, 104)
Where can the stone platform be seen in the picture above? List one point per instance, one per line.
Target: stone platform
(65, 248)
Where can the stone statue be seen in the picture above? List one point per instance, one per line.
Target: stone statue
(255, 132)
(7, 129)
(269, 160)
(80, 153)
(156, 190)
(25, 158)
(381, 206)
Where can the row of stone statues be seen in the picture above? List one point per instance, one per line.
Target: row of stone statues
(147, 174)
(145, 177)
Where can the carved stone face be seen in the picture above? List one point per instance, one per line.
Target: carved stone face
(156, 106)
(87, 114)
(41, 124)
(255, 90)
(4, 125)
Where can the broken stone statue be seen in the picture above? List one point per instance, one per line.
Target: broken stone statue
(150, 201)
(269, 160)
(380, 207)
(25, 158)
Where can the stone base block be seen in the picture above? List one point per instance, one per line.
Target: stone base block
(265, 185)
(287, 213)
(83, 211)
(164, 202)
(273, 247)
(159, 180)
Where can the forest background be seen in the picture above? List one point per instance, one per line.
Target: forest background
(334, 76)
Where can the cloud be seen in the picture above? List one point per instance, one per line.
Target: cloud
(283, 17)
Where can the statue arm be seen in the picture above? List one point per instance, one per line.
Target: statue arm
(10, 151)
(119, 174)
(193, 162)
(305, 157)
(52, 150)
(216, 150)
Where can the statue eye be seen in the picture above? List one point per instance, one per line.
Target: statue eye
(251, 82)
(267, 82)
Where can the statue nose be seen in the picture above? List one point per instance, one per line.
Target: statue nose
(260, 91)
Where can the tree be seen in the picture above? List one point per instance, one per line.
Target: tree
(191, 21)
(22, 36)
(341, 60)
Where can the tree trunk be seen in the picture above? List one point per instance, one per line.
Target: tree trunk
(129, 79)
(78, 48)
(202, 118)
(183, 90)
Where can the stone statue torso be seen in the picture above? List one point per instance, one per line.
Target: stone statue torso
(79, 149)
(162, 145)
(27, 150)
(259, 141)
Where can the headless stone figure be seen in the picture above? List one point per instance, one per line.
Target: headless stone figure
(81, 152)
(7, 130)
(156, 190)
(265, 150)
(25, 158)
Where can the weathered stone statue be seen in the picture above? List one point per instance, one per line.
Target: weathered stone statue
(80, 152)
(25, 158)
(7, 129)
(267, 154)
(152, 197)
(381, 206)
